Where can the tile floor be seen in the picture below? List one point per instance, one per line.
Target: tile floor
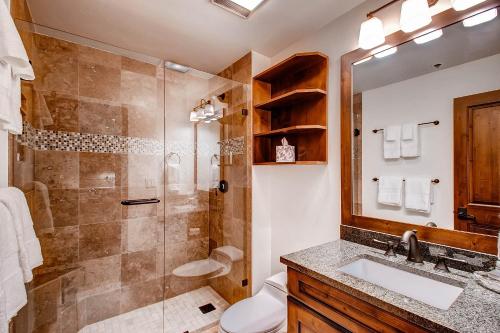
(181, 315)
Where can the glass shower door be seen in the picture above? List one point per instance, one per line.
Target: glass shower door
(93, 138)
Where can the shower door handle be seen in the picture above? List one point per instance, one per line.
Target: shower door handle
(140, 202)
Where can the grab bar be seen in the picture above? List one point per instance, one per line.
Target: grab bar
(140, 202)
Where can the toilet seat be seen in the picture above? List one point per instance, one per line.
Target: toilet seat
(262, 313)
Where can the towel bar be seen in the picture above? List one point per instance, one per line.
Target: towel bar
(435, 122)
(140, 202)
(435, 181)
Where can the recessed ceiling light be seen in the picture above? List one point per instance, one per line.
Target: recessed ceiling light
(248, 4)
(384, 51)
(176, 67)
(427, 37)
(480, 18)
(241, 8)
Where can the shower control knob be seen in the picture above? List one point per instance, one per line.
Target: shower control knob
(223, 186)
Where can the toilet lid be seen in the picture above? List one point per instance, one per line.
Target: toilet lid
(258, 314)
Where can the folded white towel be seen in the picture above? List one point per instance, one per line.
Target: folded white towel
(12, 50)
(392, 142)
(30, 254)
(390, 190)
(12, 290)
(14, 66)
(418, 194)
(174, 176)
(410, 143)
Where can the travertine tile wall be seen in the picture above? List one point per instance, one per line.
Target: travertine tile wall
(100, 258)
(230, 213)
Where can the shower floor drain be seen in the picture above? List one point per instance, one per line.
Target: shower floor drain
(207, 308)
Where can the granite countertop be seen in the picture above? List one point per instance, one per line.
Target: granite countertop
(475, 310)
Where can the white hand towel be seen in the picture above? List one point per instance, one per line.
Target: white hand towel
(392, 142)
(418, 194)
(410, 143)
(174, 176)
(30, 254)
(390, 190)
(12, 290)
(14, 66)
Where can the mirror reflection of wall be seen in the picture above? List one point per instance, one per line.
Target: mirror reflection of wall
(208, 155)
(417, 84)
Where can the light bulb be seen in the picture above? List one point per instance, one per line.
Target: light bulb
(480, 18)
(428, 36)
(464, 4)
(415, 14)
(193, 116)
(371, 33)
(200, 114)
(209, 110)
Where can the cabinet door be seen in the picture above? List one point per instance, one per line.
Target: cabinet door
(301, 319)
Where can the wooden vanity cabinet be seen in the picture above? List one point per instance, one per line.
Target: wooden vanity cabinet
(314, 307)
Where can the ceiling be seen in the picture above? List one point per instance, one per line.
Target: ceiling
(457, 46)
(191, 32)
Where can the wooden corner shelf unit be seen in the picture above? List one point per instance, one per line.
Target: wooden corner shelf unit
(290, 100)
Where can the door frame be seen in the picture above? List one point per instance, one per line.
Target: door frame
(461, 149)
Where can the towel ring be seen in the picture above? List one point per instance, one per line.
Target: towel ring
(173, 154)
(216, 159)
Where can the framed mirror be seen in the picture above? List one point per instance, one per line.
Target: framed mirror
(420, 132)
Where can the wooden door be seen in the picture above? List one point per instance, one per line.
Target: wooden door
(477, 161)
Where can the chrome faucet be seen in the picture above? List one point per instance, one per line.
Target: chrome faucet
(414, 255)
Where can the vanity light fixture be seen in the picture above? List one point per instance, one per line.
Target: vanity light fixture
(428, 36)
(415, 14)
(384, 51)
(363, 60)
(480, 18)
(205, 111)
(464, 4)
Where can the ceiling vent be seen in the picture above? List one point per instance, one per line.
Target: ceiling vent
(233, 7)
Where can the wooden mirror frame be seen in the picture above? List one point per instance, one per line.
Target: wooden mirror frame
(458, 239)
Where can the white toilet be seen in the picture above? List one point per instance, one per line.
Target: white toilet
(265, 312)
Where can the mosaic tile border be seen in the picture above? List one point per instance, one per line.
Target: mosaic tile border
(236, 146)
(40, 139)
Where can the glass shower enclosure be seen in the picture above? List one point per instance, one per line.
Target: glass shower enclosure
(124, 190)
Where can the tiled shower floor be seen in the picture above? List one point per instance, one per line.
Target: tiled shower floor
(181, 314)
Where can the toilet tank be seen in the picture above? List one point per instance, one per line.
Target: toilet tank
(278, 281)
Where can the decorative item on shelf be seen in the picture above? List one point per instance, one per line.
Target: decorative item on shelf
(285, 153)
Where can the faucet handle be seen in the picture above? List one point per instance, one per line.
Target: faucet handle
(441, 262)
(391, 247)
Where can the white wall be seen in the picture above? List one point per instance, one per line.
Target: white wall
(425, 98)
(4, 149)
(303, 202)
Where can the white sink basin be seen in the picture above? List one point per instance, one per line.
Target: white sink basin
(438, 294)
